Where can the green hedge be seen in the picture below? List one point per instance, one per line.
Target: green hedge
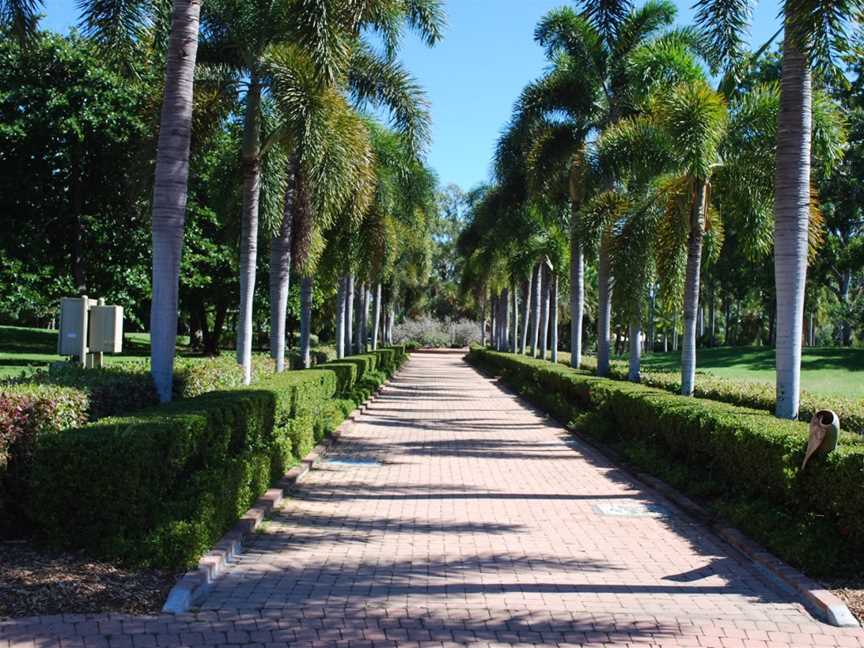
(753, 394)
(160, 487)
(27, 412)
(743, 461)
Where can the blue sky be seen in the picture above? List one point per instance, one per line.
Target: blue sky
(473, 76)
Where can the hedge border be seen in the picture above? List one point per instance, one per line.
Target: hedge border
(820, 601)
(195, 584)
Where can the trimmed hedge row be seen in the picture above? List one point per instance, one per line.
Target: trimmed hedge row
(745, 462)
(753, 394)
(159, 487)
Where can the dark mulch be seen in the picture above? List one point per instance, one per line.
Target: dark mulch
(37, 581)
(851, 592)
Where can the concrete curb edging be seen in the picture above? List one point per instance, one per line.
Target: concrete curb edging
(821, 602)
(194, 585)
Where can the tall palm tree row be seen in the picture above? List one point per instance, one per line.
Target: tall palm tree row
(653, 165)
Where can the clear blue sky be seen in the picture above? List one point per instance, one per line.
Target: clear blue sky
(473, 76)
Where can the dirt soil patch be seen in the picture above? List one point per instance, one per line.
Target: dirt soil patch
(37, 581)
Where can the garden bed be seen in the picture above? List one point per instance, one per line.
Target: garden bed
(39, 581)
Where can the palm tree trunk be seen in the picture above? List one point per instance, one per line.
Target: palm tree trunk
(791, 221)
(514, 341)
(577, 297)
(604, 308)
(691, 291)
(305, 321)
(652, 319)
(483, 323)
(554, 318)
(526, 315)
(349, 315)
(251, 164)
(170, 190)
(364, 325)
(505, 319)
(544, 314)
(635, 360)
(340, 316)
(391, 320)
(377, 316)
(280, 273)
(538, 306)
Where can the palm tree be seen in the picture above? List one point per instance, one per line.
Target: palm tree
(812, 33)
(20, 17)
(604, 46)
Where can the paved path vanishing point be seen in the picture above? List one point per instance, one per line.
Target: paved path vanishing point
(453, 514)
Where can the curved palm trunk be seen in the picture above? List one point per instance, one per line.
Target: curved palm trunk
(691, 291)
(791, 221)
(604, 309)
(249, 224)
(280, 273)
(635, 359)
(349, 315)
(538, 305)
(544, 315)
(305, 321)
(577, 298)
(554, 318)
(340, 317)
(170, 190)
(376, 317)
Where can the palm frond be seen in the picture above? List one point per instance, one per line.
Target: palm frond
(21, 17)
(117, 25)
(726, 24)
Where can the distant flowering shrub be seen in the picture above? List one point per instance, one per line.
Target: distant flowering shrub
(428, 332)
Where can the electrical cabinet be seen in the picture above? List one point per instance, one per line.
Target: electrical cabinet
(106, 329)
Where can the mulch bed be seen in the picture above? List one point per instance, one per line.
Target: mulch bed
(37, 581)
(851, 592)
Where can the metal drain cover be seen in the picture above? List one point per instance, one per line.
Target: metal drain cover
(630, 509)
(354, 461)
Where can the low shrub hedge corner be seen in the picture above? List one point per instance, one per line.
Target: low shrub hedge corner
(744, 462)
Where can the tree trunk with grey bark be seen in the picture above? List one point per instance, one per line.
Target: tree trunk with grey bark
(554, 318)
(791, 220)
(280, 273)
(251, 166)
(170, 190)
(526, 315)
(544, 314)
(537, 308)
(577, 297)
(377, 316)
(340, 317)
(349, 315)
(604, 309)
(691, 291)
(306, 321)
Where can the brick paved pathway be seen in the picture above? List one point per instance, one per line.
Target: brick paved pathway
(455, 515)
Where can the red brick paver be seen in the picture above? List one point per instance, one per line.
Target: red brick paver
(453, 515)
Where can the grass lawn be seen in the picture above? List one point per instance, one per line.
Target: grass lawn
(24, 350)
(826, 370)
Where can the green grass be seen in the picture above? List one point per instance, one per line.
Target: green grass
(24, 350)
(832, 371)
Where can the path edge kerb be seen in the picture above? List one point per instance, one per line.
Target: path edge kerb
(193, 586)
(821, 602)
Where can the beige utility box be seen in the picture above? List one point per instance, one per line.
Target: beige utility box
(106, 329)
(73, 326)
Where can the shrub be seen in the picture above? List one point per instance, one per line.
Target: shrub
(744, 460)
(427, 332)
(172, 479)
(753, 394)
(26, 413)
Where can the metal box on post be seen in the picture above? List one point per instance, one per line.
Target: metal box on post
(106, 329)
(73, 327)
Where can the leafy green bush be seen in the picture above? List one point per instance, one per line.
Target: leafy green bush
(26, 413)
(743, 460)
(753, 394)
(171, 479)
(346, 375)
